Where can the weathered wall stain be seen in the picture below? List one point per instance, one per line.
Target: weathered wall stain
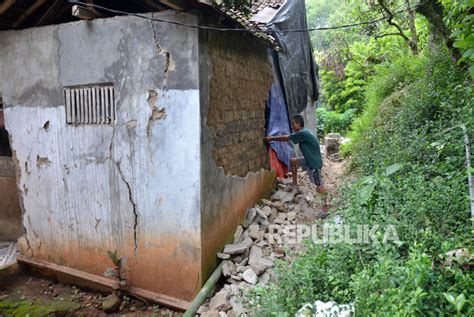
(156, 114)
(10, 212)
(102, 181)
(42, 161)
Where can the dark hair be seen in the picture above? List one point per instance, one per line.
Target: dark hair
(299, 119)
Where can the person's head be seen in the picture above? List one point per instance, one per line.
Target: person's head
(297, 123)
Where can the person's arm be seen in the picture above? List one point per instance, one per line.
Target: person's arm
(277, 138)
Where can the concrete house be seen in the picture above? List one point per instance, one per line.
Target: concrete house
(134, 135)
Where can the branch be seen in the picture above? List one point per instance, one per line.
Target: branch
(390, 20)
(384, 35)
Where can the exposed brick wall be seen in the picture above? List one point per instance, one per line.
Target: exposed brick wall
(10, 212)
(240, 81)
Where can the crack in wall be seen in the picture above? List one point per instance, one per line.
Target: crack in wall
(134, 205)
(35, 234)
(169, 63)
(130, 193)
(59, 56)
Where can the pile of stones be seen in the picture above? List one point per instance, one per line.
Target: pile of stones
(249, 260)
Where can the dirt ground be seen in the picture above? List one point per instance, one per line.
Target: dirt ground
(23, 295)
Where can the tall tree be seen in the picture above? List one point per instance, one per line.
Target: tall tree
(433, 11)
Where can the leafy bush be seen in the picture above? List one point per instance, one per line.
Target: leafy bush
(413, 177)
(389, 80)
(331, 121)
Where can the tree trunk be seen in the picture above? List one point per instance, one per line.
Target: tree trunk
(413, 43)
(439, 32)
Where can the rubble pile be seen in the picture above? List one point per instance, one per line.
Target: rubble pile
(249, 260)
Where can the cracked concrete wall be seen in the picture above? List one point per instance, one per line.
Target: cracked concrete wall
(225, 197)
(133, 186)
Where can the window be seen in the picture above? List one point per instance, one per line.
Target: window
(90, 105)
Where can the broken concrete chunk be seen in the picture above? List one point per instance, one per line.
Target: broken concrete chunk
(238, 233)
(235, 248)
(234, 290)
(202, 309)
(291, 216)
(219, 302)
(261, 243)
(266, 262)
(247, 242)
(284, 196)
(249, 276)
(223, 256)
(279, 205)
(210, 313)
(237, 307)
(281, 216)
(264, 279)
(236, 277)
(256, 254)
(260, 213)
(258, 268)
(228, 268)
(241, 268)
(251, 214)
(253, 231)
(267, 210)
(262, 221)
(238, 248)
(244, 261)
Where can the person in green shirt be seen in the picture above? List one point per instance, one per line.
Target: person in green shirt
(311, 161)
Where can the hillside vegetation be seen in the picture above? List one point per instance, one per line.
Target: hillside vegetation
(403, 110)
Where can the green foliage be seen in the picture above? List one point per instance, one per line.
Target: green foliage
(332, 121)
(118, 271)
(23, 308)
(412, 176)
(368, 185)
(384, 93)
(460, 17)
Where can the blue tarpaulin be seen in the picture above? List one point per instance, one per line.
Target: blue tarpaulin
(279, 124)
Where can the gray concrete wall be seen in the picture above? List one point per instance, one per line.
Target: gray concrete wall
(133, 186)
(224, 196)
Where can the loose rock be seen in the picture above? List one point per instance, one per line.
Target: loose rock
(219, 302)
(210, 313)
(251, 214)
(283, 196)
(249, 276)
(111, 303)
